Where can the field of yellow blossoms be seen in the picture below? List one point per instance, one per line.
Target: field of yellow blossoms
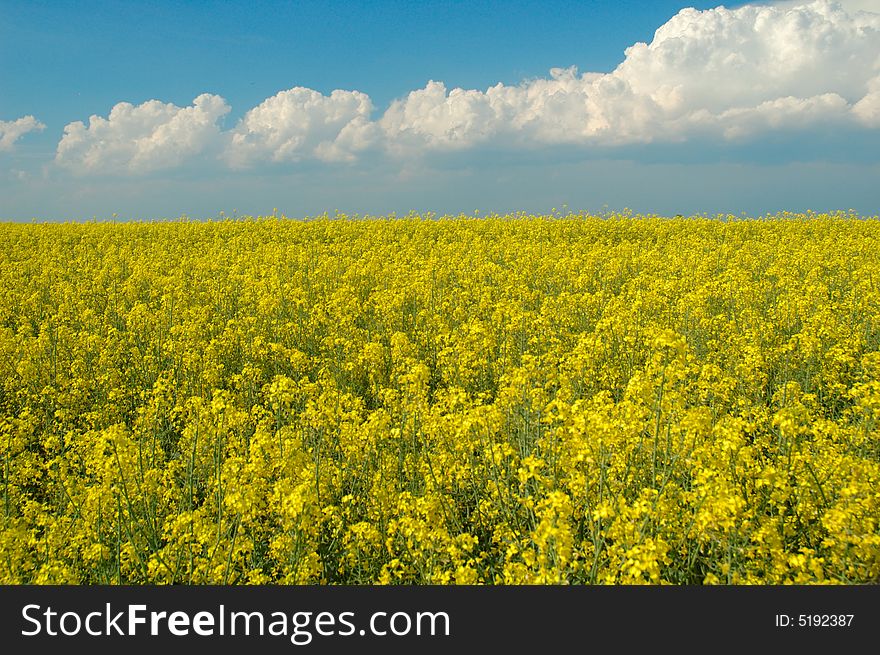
(421, 400)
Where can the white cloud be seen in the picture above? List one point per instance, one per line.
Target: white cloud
(437, 118)
(720, 58)
(142, 138)
(789, 113)
(302, 124)
(12, 131)
(728, 72)
(867, 110)
(850, 5)
(723, 74)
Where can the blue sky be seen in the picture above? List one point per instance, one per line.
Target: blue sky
(442, 106)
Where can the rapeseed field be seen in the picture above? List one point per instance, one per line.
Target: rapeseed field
(459, 400)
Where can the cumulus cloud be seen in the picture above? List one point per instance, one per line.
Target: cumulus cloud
(867, 110)
(302, 124)
(722, 74)
(727, 72)
(437, 118)
(12, 131)
(849, 5)
(142, 138)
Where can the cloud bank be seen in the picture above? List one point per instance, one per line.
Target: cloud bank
(12, 131)
(727, 75)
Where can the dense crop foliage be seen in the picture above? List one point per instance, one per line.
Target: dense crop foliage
(500, 400)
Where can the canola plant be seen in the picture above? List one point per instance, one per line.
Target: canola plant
(421, 400)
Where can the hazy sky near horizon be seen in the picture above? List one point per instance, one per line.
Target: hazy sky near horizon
(155, 110)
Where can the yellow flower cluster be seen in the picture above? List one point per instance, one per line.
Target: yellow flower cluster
(504, 400)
